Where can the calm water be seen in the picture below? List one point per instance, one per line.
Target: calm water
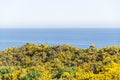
(76, 37)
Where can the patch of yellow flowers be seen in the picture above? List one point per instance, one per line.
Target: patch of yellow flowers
(62, 62)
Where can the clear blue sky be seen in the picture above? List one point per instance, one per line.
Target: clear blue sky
(59, 12)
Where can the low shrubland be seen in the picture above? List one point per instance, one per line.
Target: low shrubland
(60, 62)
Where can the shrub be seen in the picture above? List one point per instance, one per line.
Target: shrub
(32, 75)
(5, 70)
(70, 70)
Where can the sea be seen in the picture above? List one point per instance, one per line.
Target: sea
(80, 37)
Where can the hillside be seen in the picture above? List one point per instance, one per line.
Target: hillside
(60, 62)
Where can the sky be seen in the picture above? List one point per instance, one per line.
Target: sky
(59, 13)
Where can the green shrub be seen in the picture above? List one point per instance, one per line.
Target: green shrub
(70, 70)
(32, 75)
(5, 70)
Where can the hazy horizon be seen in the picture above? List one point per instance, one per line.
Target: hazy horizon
(57, 26)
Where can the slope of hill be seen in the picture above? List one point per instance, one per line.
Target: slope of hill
(60, 62)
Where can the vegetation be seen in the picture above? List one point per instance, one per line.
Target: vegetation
(60, 62)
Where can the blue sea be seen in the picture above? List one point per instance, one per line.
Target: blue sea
(80, 37)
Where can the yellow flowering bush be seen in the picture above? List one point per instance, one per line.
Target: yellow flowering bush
(60, 62)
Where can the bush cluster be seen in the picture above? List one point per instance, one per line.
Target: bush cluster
(60, 62)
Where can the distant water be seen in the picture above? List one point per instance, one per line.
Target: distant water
(81, 37)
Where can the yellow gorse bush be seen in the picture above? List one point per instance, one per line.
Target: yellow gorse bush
(60, 62)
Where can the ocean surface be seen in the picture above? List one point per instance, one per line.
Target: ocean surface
(80, 37)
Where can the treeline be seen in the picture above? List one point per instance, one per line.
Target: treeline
(60, 62)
